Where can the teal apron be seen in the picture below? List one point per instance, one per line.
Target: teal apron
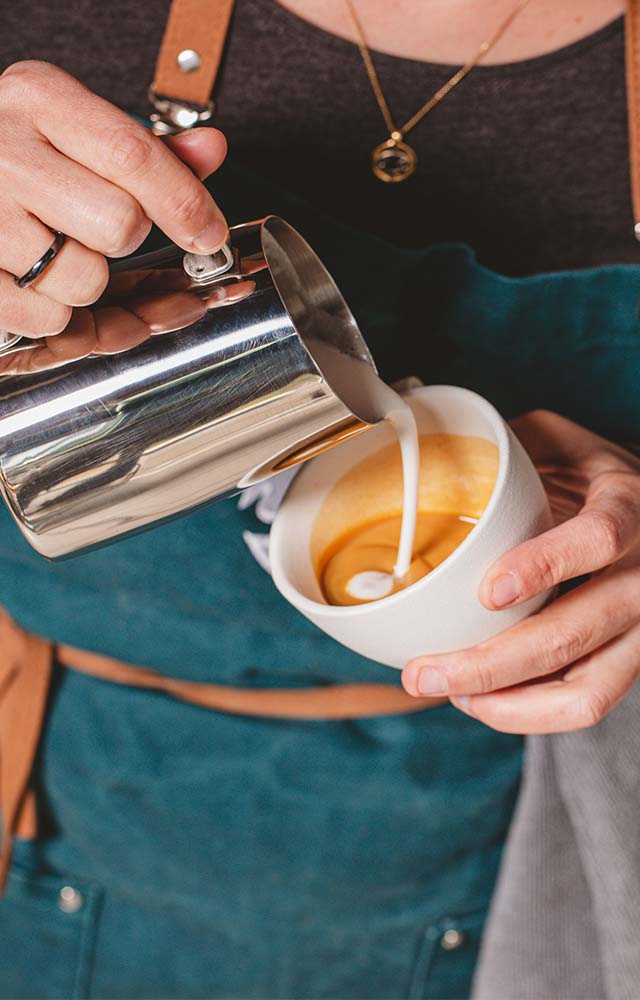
(203, 855)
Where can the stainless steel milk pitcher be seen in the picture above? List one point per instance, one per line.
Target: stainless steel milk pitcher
(112, 444)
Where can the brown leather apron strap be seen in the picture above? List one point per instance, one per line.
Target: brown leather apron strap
(23, 700)
(198, 27)
(332, 702)
(25, 675)
(632, 61)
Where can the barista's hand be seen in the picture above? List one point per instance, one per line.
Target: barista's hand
(71, 161)
(567, 666)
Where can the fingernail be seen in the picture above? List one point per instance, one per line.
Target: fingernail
(211, 238)
(431, 681)
(505, 590)
(189, 136)
(463, 702)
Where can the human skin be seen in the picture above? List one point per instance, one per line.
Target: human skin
(566, 667)
(71, 161)
(450, 31)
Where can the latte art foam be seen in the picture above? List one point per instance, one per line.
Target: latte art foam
(356, 533)
(359, 567)
(383, 528)
(370, 585)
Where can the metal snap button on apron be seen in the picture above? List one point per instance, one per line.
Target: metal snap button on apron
(69, 899)
(452, 939)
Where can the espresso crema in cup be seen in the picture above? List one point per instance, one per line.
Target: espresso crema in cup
(357, 529)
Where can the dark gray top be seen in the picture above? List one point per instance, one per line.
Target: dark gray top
(527, 162)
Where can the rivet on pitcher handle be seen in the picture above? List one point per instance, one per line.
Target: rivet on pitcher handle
(204, 267)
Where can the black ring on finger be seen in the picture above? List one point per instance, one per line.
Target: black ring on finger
(43, 262)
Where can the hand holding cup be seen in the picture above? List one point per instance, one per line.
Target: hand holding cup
(566, 667)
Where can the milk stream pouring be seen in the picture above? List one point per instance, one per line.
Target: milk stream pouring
(378, 401)
(110, 445)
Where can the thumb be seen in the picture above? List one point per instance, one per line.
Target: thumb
(202, 149)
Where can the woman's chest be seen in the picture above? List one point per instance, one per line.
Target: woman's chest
(507, 163)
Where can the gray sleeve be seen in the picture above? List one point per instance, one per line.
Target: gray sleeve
(565, 919)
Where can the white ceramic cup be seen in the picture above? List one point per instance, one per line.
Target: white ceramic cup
(441, 612)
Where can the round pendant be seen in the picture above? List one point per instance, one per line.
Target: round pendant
(393, 161)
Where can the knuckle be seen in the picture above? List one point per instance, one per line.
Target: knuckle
(189, 206)
(54, 320)
(591, 707)
(15, 314)
(129, 149)
(485, 677)
(29, 69)
(539, 415)
(563, 646)
(548, 568)
(44, 320)
(608, 534)
(26, 78)
(14, 88)
(123, 227)
(474, 673)
(91, 277)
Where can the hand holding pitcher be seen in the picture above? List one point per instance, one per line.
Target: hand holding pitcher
(71, 163)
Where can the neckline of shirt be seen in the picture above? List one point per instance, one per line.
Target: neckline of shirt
(533, 63)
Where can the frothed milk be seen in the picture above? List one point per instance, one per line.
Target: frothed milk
(357, 526)
(374, 400)
(372, 557)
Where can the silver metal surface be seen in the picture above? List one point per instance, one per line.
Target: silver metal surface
(43, 262)
(8, 340)
(203, 267)
(109, 445)
(172, 116)
(189, 60)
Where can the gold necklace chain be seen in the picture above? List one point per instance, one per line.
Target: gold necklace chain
(394, 160)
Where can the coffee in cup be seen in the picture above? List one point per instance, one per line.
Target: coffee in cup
(441, 612)
(357, 530)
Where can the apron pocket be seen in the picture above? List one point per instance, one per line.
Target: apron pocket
(447, 957)
(47, 929)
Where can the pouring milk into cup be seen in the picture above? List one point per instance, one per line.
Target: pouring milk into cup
(479, 495)
(257, 365)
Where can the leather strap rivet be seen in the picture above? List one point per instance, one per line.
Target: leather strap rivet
(195, 27)
(189, 60)
(636, 231)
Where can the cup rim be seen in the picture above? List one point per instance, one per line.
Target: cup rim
(307, 605)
